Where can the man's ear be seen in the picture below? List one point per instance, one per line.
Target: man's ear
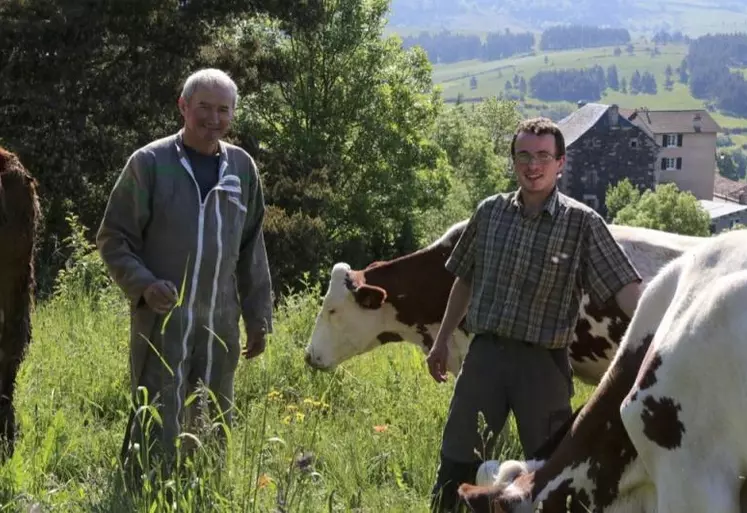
(182, 104)
(370, 297)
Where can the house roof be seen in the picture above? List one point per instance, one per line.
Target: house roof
(578, 122)
(718, 209)
(728, 188)
(671, 121)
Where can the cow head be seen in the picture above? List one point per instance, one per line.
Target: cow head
(350, 321)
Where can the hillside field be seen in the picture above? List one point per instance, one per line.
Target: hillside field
(454, 79)
(368, 434)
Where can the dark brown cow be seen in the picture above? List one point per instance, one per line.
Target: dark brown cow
(405, 299)
(19, 217)
(664, 431)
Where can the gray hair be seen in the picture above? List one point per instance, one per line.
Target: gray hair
(209, 77)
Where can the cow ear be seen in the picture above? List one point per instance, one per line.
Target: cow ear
(370, 297)
(476, 497)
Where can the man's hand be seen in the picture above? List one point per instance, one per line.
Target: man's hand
(255, 343)
(161, 296)
(436, 359)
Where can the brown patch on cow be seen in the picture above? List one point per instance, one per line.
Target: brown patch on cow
(370, 297)
(19, 220)
(567, 499)
(589, 347)
(648, 379)
(389, 336)
(661, 424)
(425, 336)
(596, 437)
(424, 272)
(647, 373)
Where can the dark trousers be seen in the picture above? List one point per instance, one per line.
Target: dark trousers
(499, 376)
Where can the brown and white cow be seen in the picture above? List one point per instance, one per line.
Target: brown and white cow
(405, 299)
(665, 429)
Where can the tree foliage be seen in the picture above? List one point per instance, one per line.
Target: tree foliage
(87, 82)
(665, 208)
(446, 46)
(344, 138)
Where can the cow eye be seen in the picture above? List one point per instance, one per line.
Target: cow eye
(331, 311)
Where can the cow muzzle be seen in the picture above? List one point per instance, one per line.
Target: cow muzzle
(314, 362)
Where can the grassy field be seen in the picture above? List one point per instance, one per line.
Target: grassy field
(454, 79)
(492, 76)
(368, 434)
(645, 17)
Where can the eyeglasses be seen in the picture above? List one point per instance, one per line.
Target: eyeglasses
(526, 158)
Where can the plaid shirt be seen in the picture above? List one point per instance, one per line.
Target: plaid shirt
(527, 272)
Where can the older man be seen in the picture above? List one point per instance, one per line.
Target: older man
(520, 266)
(182, 236)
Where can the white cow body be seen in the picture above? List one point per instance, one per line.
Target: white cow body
(680, 385)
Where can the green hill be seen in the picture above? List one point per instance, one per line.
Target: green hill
(692, 17)
(456, 81)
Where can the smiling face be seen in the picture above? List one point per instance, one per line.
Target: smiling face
(537, 163)
(207, 114)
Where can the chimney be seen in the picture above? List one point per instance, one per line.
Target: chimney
(697, 122)
(613, 112)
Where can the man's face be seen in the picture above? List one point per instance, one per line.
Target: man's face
(208, 113)
(535, 163)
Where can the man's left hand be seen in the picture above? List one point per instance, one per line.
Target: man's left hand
(255, 343)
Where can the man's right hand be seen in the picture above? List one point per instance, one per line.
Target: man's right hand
(437, 358)
(161, 296)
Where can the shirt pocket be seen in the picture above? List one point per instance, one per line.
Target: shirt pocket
(232, 202)
(561, 263)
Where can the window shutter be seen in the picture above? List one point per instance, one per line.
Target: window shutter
(663, 164)
(679, 140)
(679, 162)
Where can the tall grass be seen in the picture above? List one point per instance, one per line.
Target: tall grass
(364, 438)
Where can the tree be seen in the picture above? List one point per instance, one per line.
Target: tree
(612, 79)
(87, 82)
(347, 153)
(623, 193)
(667, 209)
(732, 164)
(476, 140)
(726, 166)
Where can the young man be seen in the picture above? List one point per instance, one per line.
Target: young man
(520, 267)
(186, 215)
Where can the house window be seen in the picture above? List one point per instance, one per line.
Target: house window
(672, 140)
(591, 201)
(671, 163)
(590, 178)
(634, 142)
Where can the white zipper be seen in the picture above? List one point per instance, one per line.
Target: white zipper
(195, 273)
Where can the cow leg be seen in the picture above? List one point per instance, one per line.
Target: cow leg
(13, 342)
(8, 372)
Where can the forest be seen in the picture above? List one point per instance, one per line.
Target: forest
(445, 47)
(710, 63)
(587, 84)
